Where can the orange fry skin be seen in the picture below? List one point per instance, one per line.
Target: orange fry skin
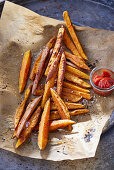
(56, 49)
(61, 107)
(21, 108)
(55, 114)
(73, 78)
(79, 111)
(70, 45)
(70, 106)
(76, 60)
(44, 127)
(78, 93)
(73, 34)
(56, 124)
(27, 130)
(75, 87)
(47, 92)
(24, 71)
(38, 92)
(29, 110)
(71, 98)
(42, 62)
(61, 73)
(35, 67)
(77, 72)
(54, 65)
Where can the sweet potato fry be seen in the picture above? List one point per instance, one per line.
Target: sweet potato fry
(73, 34)
(54, 65)
(71, 98)
(24, 71)
(56, 49)
(27, 130)
(70, 77)
(78, 93)
(47, 93)
(70, 45)
(55, 114)
(42, 62)
(61, 73)
(79, 111)
(29, 110)
(61, 107)
(21, 108)
(77, 72)
(70, 106)
(76, 60)
(38, 92)
(44, 126)
(75, 87)
(56, 124)
(35, 67)
(69, 63)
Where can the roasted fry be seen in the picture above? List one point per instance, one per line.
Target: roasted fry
(42, 62)
(70, 45)
(70, 77)
(61, 73)
(47, 93)
(73, 34)
(35, 67)
(56, 49)
(75, 87)
(69, 63)
(77, 72)
(56, 116)
(27, 130)
(76, 60)
(78, 93)
(21, 108)
(61, 107)
(70, 106)
(38, 92)
(56, 124)
(44, 126)
(71, 98)
(24, 71)
(29, 110)
(79, 111)
(54, 66)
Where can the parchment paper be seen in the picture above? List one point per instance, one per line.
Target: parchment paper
(22, 29)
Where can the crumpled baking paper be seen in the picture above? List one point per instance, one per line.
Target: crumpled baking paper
(21, 30)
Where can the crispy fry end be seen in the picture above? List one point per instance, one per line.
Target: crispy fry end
(24, 71)
(28, 129)
(44, 126)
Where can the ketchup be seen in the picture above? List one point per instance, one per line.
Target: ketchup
(104, 80)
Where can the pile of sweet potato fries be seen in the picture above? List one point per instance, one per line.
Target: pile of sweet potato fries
(64, 87)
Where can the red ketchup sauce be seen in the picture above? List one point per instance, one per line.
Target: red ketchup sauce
(104, 81)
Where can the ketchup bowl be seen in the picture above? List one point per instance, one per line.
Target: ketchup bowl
(102, 80)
